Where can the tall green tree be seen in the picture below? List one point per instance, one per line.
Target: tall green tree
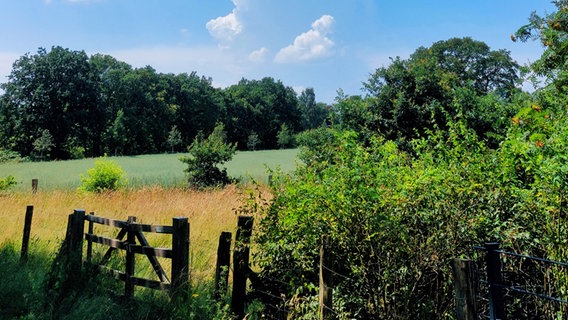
(51, 90)
(206, 155)
(195, 104)
(313, 114)
(261, 106)
(109, 73)
(437, 85)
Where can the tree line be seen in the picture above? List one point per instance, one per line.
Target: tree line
(62, 104)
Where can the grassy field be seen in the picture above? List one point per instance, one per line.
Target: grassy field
(153, 195)
(165, 169)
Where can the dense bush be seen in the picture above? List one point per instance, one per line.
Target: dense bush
(206, 155)
(396, 221)
(107, 175)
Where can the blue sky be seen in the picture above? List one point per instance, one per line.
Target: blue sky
(324, 44)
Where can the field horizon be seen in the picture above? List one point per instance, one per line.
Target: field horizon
(145, 170)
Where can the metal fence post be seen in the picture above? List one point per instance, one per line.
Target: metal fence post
(494, 279)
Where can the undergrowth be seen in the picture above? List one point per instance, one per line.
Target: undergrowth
(45, 291)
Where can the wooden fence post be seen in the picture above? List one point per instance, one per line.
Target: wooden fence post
(180, 259)
(465, 284)
(26, 236)
(241, 265)
(222, 266)
(130, 258)
(494, 279)
(76, 230)
(325, 281)
(35, 183)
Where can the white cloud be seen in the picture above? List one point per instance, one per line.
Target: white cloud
(226, 28)
(258, 55)
(309, 45)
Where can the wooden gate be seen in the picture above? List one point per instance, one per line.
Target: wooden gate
(131, 239)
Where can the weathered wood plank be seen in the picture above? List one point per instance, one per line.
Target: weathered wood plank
(465, 283)
(27, 230)
(241, 265)
(223, 265)
(180, 259)
(133, 226)
(107, 222)
(325, 281)
(152, 228)
(152, 284)
(109, 242)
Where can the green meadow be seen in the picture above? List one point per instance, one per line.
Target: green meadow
(162, 169)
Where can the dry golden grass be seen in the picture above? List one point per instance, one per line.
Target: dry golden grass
(209, 213)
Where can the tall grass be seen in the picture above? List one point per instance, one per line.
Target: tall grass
(209, 213)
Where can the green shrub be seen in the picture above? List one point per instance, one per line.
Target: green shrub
(395, 222)
(7, 183)
(10, 156)
(107, 175)
(206, 155)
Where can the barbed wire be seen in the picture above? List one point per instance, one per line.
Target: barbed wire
(337, 274)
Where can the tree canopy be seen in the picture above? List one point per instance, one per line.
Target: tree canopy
(456, 78)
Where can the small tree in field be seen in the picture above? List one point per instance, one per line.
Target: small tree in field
(253, 141)
(174, 138)
(205, 157)
(285, 137)
(43, 144)
(107, 175)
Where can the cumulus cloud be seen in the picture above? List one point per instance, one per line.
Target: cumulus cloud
(258, 55)
(309, 45)
(225, 28)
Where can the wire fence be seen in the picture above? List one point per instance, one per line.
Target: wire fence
(521, 286)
